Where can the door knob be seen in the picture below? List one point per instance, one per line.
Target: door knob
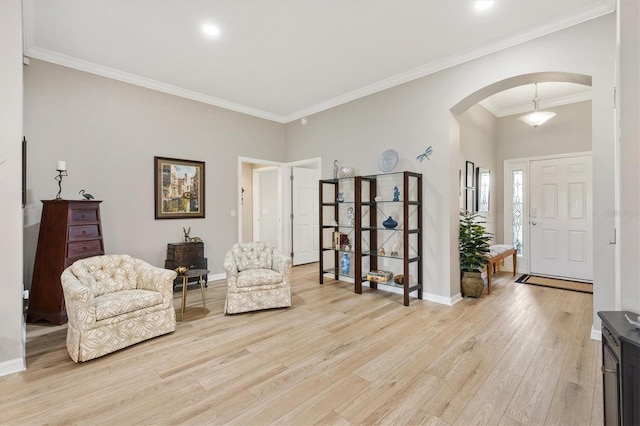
(534, 223)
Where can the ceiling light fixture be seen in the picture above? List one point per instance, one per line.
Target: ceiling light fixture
(211, 30)
(537, 117)
(483, 4)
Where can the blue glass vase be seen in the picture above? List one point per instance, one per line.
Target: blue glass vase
(345, 264)
(390, 223)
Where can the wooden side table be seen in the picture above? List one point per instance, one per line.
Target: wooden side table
(191, 273)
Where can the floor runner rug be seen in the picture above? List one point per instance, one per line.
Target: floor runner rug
(556, 283)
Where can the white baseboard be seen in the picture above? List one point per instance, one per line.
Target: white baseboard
(11, 366)
(449, 301)
(216, 277)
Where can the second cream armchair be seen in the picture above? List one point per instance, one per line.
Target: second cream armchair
(257, 278)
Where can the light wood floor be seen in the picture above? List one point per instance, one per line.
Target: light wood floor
(521, 355)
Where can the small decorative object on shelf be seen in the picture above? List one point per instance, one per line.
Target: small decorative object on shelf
(340, 197)
(389, 223)
(378, 198)
(86, 195)
(186, 232)
(346, 172)
(396, 193)
(336, 167)
(61, 168)
(334, 223)
(379, 276)
(345, 264)
(399, 279)
(350, 217)
(381, 252)
(394, 249)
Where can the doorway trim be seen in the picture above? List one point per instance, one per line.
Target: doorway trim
(254, 161)
(524, 263)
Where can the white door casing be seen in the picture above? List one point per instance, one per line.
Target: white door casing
(560, 217)
(305, 217)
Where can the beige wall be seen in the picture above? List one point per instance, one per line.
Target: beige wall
(11, 319)
(108, 133)
(627, 213)
(417, 114)
(478, 145)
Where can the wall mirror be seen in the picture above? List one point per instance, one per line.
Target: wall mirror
(483, 185)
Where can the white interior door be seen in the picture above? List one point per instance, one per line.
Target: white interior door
(305, 214)
(266, 205)
(561, 217)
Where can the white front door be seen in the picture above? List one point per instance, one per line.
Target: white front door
(561, 217)
(305, 211)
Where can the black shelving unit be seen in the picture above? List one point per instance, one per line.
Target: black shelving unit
(367, 228)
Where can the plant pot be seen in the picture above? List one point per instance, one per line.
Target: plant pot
(472, 284)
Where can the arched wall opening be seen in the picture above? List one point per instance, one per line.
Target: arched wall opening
(480, 94)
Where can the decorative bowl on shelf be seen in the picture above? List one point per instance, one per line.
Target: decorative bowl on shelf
(346, 172)
(181, 269)
(390, 223)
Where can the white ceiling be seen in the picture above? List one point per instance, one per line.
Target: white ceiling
(286, 59)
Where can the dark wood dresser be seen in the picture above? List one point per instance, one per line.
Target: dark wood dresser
(190, 255)
(69, 230)
(620, 368)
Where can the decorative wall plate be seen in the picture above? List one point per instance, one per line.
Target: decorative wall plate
(388, 160)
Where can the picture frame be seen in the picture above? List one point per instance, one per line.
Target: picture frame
(470, 171)
(179, 188)
(469, 187)
(483, 187)
(470, 198)
(24, 172)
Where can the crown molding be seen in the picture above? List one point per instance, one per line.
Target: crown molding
(524, 108)
(90, 67)
(607, 6)
(603, 8)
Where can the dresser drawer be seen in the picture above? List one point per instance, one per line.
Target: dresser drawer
(83, 231)
(185, 251)
(84, 248)
(84, 215)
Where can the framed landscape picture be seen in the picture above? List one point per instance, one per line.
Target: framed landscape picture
(179, 188)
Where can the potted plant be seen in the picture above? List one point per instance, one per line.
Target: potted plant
(474, 245)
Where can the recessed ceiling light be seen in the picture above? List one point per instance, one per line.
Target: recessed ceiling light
(211, 30)
(484, 4)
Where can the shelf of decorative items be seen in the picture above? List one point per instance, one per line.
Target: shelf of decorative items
(381, 230)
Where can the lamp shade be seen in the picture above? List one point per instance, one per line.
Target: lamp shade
(536, 118)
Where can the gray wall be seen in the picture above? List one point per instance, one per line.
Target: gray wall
(108, 133)
(627, 212)
(11, 331)
(478, 144)
(417, 114)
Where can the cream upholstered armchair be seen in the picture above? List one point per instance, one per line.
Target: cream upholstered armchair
(257, 278)
(114, 301)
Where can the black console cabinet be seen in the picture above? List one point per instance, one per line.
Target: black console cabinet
(620, 368)
(190, 255)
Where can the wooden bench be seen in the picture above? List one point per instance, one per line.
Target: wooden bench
(497, 253)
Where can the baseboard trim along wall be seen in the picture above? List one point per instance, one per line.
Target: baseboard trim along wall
(12, 366)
